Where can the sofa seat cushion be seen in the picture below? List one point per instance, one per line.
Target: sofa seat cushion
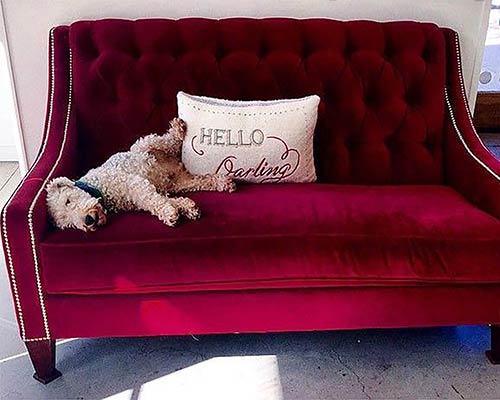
(280, 236)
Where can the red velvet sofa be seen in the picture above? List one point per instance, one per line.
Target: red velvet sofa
(401, 230)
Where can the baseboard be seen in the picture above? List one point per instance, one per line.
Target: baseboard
(487, 113)
(8, 152)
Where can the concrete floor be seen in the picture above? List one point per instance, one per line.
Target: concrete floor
(492, 140)
(377, 364)
(438, 363)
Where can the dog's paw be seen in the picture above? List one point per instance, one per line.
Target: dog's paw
(225, 184)
(169, 215)
(178, 124)
(189, 208)
(193, 212)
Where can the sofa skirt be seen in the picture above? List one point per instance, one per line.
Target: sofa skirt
(272, 310)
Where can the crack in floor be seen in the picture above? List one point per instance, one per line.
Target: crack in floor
(351, 370)
(457, 392)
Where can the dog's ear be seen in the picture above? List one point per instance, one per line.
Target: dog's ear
(58, 183)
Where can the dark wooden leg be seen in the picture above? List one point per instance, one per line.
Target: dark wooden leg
(494, 353)
(43, 357)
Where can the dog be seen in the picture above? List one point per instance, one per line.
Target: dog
(142, 178)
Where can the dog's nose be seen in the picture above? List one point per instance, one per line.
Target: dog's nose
(89, 220)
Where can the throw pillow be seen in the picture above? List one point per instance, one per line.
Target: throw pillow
(251, 141)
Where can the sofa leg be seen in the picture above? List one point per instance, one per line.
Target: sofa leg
(43, 357)
(494, 353)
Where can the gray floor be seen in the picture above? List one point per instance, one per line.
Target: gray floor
(438, 363)
(492, 140)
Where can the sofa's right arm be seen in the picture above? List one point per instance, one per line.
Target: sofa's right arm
(24, 217)
(469, 167)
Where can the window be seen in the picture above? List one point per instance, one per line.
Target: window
(487, 112)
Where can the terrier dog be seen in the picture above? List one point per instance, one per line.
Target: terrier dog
(142, 178)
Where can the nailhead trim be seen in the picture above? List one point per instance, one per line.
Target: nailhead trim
(454, 122)
(37, 339)
(68, 115)
(32, 205)
(12, 275)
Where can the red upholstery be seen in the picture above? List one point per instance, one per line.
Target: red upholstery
(381, 85)
(27, 205)
(402, 231)
(470, 167)
(278, 310)
(321, 235)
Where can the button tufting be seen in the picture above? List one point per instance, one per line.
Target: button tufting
(136, 55)
(427, 53)
(350, 143)
(348, 51)
(388, 52)
(360, 69)
(412, 98)
(262, 50)
(157, 99)
(370, 100)
(428, 144)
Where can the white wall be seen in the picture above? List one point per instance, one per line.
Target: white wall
(490, 70)
(11, 149)
(8, 124)
(28, 23)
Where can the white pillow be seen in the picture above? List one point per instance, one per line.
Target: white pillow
(251, 141)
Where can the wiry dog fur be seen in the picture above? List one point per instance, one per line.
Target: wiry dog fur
(139, 179)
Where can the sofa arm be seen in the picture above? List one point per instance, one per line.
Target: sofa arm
(24, 217)
(469, 167)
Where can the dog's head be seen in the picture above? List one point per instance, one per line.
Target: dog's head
(72, 207)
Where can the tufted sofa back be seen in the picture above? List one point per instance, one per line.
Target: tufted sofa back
(381, 85)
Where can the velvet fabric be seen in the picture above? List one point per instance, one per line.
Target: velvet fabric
(470, 167)
(402, 230)
(303, 309)
(381, 84)
(29, 199)
(293, 235)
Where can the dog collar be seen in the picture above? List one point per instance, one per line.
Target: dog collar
(93, 191)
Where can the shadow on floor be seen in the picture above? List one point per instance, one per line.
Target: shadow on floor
(401, 363)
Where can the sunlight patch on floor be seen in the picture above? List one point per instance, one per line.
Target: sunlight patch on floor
(220, 378)
(125, 395)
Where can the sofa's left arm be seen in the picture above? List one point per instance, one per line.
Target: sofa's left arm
(24, 217)
(469, 167)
